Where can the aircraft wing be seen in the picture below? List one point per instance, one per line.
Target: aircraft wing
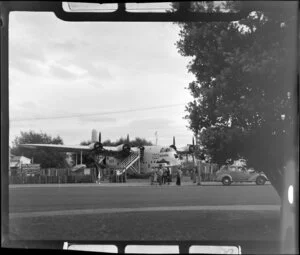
(184, 149)
(120, 150)
(58, 147)
(113, 148)
(188, 149)
(107, 150)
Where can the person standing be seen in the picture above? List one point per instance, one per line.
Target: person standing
(168, 175)
(153, 173)
(155, 176)
(179, 175)
(152, 177)
(160, 175)
(164, 175)
(99, 177)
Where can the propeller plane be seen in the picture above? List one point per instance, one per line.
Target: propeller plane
(114, 156)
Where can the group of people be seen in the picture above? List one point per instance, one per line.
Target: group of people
(162, 175)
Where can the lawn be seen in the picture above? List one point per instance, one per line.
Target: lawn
(170, 225)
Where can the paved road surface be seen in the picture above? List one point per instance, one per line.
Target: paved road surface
(95, 212)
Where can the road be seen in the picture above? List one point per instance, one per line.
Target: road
(72, 197)
(95, 212)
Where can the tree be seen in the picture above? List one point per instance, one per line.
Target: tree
(138, 142)
(45, 157)
(244, 89)
(134, 143)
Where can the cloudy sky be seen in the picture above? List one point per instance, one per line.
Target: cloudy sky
(119, 78)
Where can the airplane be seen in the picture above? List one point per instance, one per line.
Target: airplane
(138, 160)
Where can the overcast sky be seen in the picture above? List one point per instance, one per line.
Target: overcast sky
(60, 69)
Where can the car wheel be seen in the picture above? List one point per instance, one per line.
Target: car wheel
(260, 180)
(226, 181)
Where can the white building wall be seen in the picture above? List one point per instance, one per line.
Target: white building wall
(24, 160)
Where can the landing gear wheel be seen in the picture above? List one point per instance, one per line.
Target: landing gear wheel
(226, 181)
(260, 180)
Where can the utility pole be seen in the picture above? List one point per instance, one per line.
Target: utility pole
(156, 137)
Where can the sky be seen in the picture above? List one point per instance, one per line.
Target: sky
(67, 78)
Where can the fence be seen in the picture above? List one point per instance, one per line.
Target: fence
(50, 179)
(56, 172)
(208, 171)
(53, 175)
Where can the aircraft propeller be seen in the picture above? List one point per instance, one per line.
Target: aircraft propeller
(98, 146)
(126, 146)
(173, 145)
(191, 147)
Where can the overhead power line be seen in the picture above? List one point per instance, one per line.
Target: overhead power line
(97, 113)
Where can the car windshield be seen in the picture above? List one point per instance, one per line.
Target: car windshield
(95, 106)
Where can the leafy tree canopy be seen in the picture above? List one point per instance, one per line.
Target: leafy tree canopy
(45, 157)
(134, 143)
(245, 86)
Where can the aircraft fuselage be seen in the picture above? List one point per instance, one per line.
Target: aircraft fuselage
(152, 156)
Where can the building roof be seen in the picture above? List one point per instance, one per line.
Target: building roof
(18, 157)
(14, 164)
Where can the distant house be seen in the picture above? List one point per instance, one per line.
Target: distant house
(16, 162)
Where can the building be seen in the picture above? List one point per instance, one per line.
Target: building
(16, 162)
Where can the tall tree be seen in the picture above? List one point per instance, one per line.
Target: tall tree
(46, 158)
(245, 88)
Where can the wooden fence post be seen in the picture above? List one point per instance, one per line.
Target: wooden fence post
(194, 176)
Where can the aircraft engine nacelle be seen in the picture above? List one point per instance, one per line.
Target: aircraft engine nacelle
(142, 151)
(173, 146)
(191, 148)
(126, 148)
(98, 147)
